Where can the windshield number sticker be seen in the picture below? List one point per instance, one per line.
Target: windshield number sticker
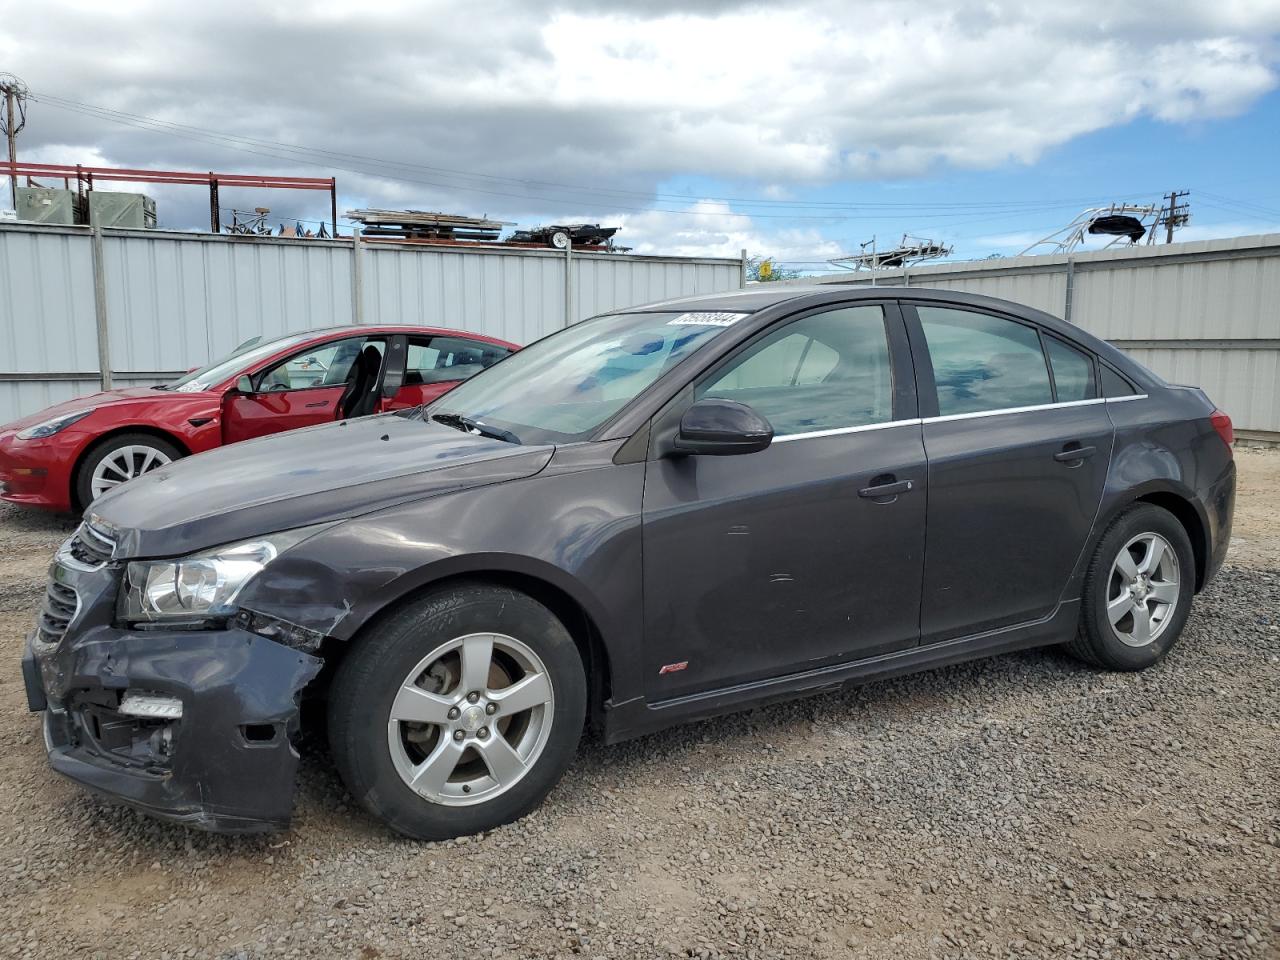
(722, 319)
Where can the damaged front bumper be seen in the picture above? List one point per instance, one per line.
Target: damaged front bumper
(194, 726)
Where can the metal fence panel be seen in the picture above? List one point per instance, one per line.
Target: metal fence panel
(517, 297)
(1241, 382)
(176, 300)
(46, 303)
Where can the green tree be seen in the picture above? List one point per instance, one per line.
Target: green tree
(766, 270)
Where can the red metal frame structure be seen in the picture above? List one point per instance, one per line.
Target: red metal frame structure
(88, 175)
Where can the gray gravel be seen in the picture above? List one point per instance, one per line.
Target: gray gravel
(1018, 807)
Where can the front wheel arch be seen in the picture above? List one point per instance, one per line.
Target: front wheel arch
(569, 610)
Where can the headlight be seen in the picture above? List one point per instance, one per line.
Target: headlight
(205, 584)
(52, 426)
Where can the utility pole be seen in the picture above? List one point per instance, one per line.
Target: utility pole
(15, 118)
(1175, 215)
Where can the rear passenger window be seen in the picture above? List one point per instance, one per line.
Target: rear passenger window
(981, 362)
(824, 372)
(445, 359)
(1072, 371)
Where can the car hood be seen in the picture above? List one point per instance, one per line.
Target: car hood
(93, 400)
(302, 477)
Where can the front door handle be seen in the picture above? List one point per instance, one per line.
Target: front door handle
(891, 489)
(318, 403)
(1073, 453)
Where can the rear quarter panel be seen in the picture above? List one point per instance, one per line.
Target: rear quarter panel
(1165, 444)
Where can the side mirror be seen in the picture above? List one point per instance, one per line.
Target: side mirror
(244, 384)
(721, 428)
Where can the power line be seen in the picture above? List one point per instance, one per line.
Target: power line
(295, 153)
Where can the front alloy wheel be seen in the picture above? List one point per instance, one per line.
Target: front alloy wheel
(459, 711)
(117, 460)
(471, 719)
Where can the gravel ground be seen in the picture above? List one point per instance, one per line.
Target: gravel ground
(1024, 807)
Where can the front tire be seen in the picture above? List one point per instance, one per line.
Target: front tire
(1137, 591)
(117, 460)
(459, 712)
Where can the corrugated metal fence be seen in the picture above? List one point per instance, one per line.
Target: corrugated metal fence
(1204, 313)
(171, 301)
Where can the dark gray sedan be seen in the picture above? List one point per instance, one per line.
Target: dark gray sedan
(649, 517)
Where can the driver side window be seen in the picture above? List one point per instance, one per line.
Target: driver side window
(325, 365)
(828, 371)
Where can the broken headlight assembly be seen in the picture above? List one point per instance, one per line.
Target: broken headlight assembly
(203, 586)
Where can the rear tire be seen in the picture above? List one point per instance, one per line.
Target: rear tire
(459, 712)
(1137, 591)
(109, 459)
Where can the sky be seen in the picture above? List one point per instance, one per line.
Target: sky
(796, 131)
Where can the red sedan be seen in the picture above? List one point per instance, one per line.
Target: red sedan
(64, 457)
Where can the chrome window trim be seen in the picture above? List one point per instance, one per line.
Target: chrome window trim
(1003, 410)
(954, 416)
(837, 431)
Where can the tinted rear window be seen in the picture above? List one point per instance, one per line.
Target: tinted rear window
(1114, 385)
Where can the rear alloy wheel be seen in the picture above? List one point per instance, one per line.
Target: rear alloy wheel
(119, 460)
(1137, 592)
(1142, 590)
(459, 712)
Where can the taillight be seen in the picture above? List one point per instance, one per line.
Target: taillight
(1222, 423)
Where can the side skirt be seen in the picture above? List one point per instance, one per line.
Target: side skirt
(636, 717)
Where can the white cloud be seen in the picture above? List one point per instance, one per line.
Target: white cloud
(715, 231)
(618, 99)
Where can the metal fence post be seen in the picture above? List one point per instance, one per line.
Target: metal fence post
(568, 283)
(100, 307)
(1071, 278)
(357, 278)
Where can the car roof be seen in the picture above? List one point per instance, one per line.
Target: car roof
(325, 332)
(763, 296)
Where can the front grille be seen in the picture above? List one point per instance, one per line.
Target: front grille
(90, 546)
(59, 606)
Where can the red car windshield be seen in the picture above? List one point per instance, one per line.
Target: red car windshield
(243, 357)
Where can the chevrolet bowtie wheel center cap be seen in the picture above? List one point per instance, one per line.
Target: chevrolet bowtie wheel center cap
(472, 718)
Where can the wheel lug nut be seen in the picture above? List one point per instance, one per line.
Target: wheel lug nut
(458, 735)
(454, 713)
(483, 733)
(491, 708)
(472, 697)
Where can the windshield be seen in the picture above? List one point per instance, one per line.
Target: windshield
(241, 358)
(564, 387)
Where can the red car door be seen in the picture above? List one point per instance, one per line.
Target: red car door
(300, 391)
(435, 365)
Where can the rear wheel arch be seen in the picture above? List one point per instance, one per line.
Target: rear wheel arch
(1184, 510)
(567, 608)
(97, 442)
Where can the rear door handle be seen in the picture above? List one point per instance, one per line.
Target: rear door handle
(886, 489)
(1071, 454)
(318, 403)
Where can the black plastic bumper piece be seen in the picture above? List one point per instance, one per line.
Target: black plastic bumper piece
(227, 765)
(36, 700)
